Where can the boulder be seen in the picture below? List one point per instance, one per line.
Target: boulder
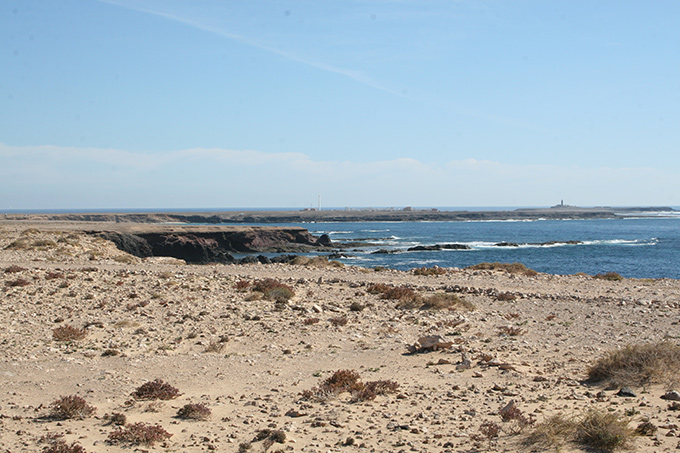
(430, 343)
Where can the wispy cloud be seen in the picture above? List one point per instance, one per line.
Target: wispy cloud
(202, 24)
(67, 177)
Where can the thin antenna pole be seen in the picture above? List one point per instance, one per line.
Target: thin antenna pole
(319, 209)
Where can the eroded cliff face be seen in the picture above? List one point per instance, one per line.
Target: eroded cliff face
(215, 246)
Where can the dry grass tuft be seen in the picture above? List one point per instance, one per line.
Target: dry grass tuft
(446, 301)
(640, 364)
(511, 268)
(594, 429)
(436, 270)
(348, 381)
(273, 290)
(609, 276)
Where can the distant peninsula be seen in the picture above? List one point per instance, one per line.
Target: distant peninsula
(558, 212)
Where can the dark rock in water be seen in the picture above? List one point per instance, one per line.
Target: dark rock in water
(456, 247)
(283, 259)
(627, 392)
(337, 255)
(424, 248)
(384, 252)
(506, 244)
(248, 260)
(560, 242)
(436, 247)
(324, 241)
(263, 259)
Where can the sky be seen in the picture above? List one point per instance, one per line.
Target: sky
(162, 104)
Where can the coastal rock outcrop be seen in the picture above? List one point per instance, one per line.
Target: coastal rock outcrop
(202, 247)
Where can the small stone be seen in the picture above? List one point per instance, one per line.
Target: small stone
(673, 395)
(626, 392)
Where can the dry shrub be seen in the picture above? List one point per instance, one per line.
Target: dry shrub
(43, 243)
(316, 261)
(594, 429)
(552, 433)
(214, 346)
(17, 282)
(511, 331)
(516, 419)
(156, 390)
(639, 364)
(19, 244)
(338, 321)
(138, 434)
(506, 296)
(71, 407)
(60, 446)
(348, 381)
(310, 321)
(125, 259)
(378, 288)
(273, 290)
(53, 275)
(68, 333)
(446, 301)
(435, 270)
(242, 285)
(511, 268)
(13, 269)
(609, 276)
(603, 430)
(356, 306)
(194, 412)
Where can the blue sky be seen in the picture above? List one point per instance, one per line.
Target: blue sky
(233, 103)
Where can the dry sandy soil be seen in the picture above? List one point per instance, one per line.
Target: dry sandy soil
(249, 360)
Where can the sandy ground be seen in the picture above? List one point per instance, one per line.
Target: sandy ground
(249, 360)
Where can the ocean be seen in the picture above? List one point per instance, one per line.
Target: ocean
(632, 247)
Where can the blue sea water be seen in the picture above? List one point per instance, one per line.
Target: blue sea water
(633, 247)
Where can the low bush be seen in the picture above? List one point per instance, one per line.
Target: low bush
(348, 381)
(68, 333)
(639, 364)
(156, 390)
(196, 411)
(273, 290)
(13, 269)
(60, 446)
(446, 301)
(436, 270)
(511, 268)
(138, 434)
(71, 407)
(603, 430)
(338, 321)
(594, 429)
(17, 282)
(609, 276)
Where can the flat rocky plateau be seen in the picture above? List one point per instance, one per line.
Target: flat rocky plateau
(201, 329)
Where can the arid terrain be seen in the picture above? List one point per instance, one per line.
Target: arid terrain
(259, 367)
